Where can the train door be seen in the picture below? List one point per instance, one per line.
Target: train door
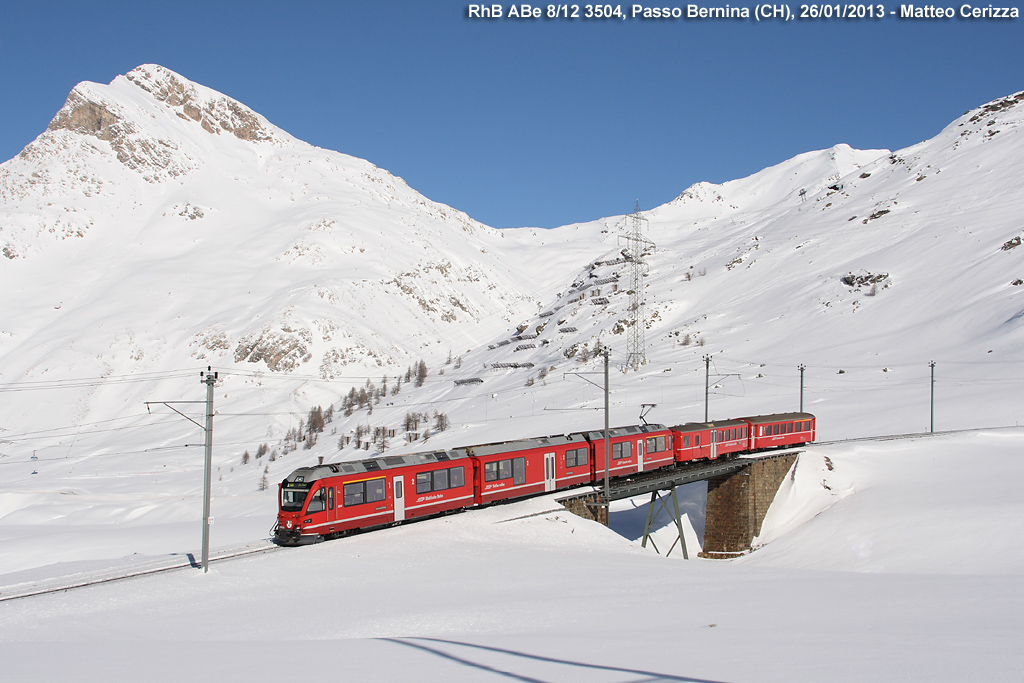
(398, 487)
(549, 472)
(714, 444)
(331, 513)
(639, 455)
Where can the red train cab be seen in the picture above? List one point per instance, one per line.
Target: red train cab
(633, 449)
(519, 468)
(327, 500)
(782, 429)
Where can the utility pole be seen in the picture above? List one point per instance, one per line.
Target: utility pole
(607, 441)
(707, 373)
(604, 351)
(801, 369)
(931, 430)
(209, 379)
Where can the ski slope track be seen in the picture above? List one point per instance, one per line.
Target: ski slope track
(157, 227)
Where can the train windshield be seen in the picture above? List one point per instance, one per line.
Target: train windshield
(293, 498)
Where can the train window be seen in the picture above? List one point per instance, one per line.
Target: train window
(490, 471)
(352, 494)
(316, 503)
(655, 444)
(621, 450)
(359, 492)
(696, 439)
(807, 426)
(439, 480)
(775, 430)
(505, 469)
(457, 477)
(686, 440)
(293, 498)
(519, 471)
(575, 457)
(330, 498)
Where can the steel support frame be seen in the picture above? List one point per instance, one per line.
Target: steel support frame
(673, 511)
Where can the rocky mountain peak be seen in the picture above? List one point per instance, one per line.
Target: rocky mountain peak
(91, 110)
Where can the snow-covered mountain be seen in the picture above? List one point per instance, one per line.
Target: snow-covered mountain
(158, 227)
(155, 199)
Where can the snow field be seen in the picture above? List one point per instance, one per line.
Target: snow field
(529, 591)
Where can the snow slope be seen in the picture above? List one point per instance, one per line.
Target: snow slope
(527, 592)
(158, 227)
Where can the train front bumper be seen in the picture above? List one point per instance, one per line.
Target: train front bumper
(294, 537)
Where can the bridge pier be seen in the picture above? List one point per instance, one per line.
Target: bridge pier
(737, 504)
(588, 506)
(740, 490)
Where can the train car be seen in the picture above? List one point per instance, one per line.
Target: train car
(781, 429)
(639, 448)
(512, 469)
(692, 441)
(729, 436)
(328, 500)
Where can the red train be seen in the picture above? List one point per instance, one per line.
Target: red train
(325, 501)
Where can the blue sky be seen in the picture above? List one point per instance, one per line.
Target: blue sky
(526, 123)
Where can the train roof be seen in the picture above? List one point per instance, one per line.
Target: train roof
(598, 434)
(309, 474)
(702, 426)
(523, 444)
(778, 417)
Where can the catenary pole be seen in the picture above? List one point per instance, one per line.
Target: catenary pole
(607, 500)
(801, 368)
(931, 429)
(707, 372)
(209, 378)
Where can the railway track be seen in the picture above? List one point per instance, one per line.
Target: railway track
(30, 589)
(915, 435)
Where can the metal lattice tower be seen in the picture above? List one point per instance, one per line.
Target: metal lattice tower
(634, 253)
